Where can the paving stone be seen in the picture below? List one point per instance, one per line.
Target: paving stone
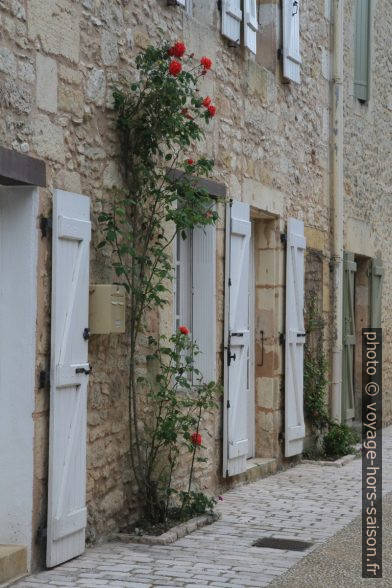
(308, 502)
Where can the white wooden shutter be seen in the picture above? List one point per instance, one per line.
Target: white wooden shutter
(236, 359)
(231, 20)
(362, 50)
(203, 299)
(251, 25)
(291, 50)
(69, 368)
(181, 2)
(295, 338)
(349, 337)
(377, 277)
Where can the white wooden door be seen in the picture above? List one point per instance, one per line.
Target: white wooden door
(236, 361)
(67, 512)
(295, 338)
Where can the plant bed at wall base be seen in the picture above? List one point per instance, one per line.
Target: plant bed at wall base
(154, 537)
(160, 119)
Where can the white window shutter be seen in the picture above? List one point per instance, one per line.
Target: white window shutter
(67, 513)
(231, 20)
(237, 337)
(295, 338)
(203, 299)
(291, 49)
(183, 282)
(181, 2)
(251, 25)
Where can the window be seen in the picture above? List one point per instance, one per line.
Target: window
(362, 50)
(194, 293)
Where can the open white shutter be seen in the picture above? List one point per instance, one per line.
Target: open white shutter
(67, 512)
(251, 25)
(203, 299)
(181, 2)
(291, 50)
(295, 338)
(231, 20)
(236, 376)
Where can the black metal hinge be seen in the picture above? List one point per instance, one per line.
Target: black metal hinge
(228, 404)
(282, 338)
(283, 238)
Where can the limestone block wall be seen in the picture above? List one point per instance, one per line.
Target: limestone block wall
(368, 164)
(59, 60)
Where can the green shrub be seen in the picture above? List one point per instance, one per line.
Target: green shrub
(339, 440)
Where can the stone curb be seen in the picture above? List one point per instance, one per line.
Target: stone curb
(338, 463)
(170, 536)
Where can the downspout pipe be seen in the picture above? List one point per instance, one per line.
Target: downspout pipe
(337, 192)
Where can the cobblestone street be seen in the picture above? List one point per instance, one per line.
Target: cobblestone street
(308, 502)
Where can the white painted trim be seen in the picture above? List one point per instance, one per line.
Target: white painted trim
(225, 340)
(252, 379)
(18, 313)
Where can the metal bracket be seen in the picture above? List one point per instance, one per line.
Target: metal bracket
(282, 338)
(46, 225)
(283, 238)
(44, 379)
(230, 356)
(42, 533)
(82, 370)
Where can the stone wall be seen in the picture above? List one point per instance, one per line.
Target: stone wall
(270, 142)
(368, 164)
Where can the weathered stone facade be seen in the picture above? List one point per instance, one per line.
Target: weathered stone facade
(270, 142)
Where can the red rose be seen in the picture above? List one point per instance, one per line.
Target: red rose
(212, 110)
(206, 62)
(190, 161)
(196, 439)
(179, 49)
(175, 68)
(206, 102)
(184, 330)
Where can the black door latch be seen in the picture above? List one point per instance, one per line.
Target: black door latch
(82, 370)
(230, 356)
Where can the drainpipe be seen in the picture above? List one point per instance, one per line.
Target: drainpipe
(337, 191)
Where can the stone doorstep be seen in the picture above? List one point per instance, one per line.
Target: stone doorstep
(256, 468)
(13, 562)
(173, 534)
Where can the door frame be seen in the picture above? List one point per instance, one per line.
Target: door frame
(251, 362)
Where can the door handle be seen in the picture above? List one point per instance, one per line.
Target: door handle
(82, 370)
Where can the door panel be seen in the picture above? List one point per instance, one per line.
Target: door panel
(295, 338)
(237, 337)
(348, 404)
(67, 512)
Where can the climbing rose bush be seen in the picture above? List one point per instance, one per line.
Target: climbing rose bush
(161, 116)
